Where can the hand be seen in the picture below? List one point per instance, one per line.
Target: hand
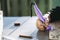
(41, 25)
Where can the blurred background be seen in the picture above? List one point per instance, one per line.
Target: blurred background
(25, 8)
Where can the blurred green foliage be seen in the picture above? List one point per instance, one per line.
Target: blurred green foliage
(24, 8)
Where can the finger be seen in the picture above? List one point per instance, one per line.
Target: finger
(46, 22)
(39, 25)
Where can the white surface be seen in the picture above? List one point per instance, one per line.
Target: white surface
(26, 29)
(8, 29)
(1, 23)
(29, 29)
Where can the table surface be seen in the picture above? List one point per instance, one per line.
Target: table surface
(27, 27)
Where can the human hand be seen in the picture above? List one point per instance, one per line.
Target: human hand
(40, 25)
